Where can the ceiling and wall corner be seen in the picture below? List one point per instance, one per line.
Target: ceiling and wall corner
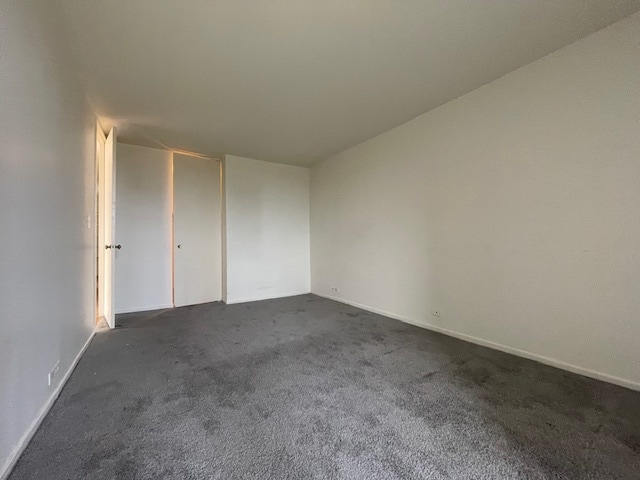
(296, 82)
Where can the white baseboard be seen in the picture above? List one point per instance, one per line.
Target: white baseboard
(496, 346)
(33, 427)
(268, 297)
(145, 308)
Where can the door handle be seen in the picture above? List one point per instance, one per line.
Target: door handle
(179, 245)
(113, 246)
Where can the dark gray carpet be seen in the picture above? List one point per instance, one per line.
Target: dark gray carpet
(304, 387)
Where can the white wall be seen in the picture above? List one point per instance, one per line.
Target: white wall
(514, 209)
(267, 229)
(143, 228)
(47, 266)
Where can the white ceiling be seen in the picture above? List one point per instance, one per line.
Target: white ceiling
(295, 81)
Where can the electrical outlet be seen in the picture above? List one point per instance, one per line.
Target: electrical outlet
(335, 289)
(436, 313)
(53, 373)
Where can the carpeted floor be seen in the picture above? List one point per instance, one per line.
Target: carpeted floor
(304, 387)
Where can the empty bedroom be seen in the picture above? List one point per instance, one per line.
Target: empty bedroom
(320, 239)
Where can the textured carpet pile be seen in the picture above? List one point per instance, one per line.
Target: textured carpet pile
(307, 388)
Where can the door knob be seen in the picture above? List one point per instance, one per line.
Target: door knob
(179, 245)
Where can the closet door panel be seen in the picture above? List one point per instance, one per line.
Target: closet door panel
(143, 233)
(197, 239)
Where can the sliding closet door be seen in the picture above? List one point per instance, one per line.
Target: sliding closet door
(197, 249)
